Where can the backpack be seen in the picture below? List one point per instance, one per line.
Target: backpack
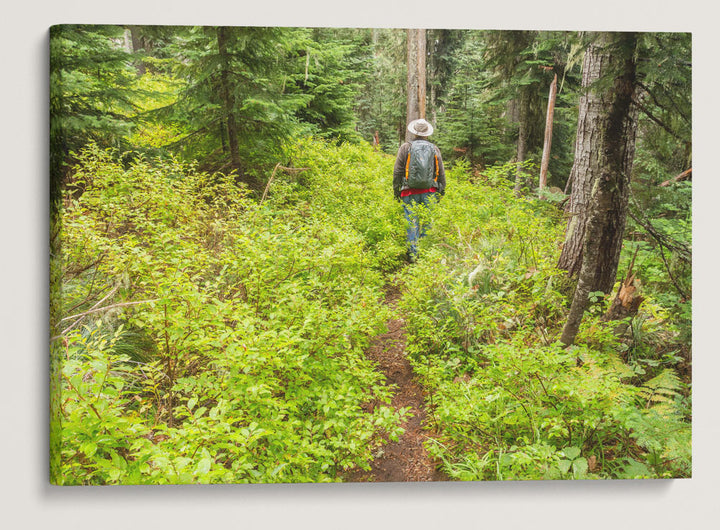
(421, 167)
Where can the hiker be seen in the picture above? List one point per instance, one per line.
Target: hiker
(418, 178)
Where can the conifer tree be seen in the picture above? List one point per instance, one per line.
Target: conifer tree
(90, 87)
(236, 104)
(416, 77)
(330, 68)
(511, 55)
(604, 154)
(381, 104)
(471, 124)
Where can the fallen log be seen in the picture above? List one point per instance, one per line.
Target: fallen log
(685, 175)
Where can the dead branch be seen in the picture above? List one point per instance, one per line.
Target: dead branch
(278, 166)
(81, 316)
(683, 252)
(685, 175)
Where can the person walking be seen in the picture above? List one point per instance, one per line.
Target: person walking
(418, 180)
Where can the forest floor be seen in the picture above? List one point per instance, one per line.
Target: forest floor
(405, 460)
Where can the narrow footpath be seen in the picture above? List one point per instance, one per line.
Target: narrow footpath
(405, 460)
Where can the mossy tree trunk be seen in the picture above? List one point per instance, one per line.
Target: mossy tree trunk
(603, 162)
(609, 83)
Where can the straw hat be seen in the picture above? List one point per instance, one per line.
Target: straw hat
(420, 127)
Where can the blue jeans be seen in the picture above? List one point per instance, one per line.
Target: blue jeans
(415, 227)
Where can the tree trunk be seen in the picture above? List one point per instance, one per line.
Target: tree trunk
(223, 136)
(139, 42)
(127, 41)
(228, 99)
(416, 77)
(433, 103)
(603, 161)
(548, 134)
(596, 151)
(521, 153)
(522, 140)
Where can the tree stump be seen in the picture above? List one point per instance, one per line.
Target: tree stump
(626, 304)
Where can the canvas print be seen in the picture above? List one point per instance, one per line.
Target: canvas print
(290, 254)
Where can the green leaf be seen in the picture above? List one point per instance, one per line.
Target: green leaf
(89, 448)
(580, 467)
(203, 466)
(635, 469)
(571, 452)
(564, 465)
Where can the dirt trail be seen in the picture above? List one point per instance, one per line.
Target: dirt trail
(405, 460)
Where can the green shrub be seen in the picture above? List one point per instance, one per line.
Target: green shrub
(483, 310)
(254, 320)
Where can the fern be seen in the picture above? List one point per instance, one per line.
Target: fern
(660, 427)
(661, 389)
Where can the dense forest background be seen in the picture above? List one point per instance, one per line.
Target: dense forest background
(223, 228)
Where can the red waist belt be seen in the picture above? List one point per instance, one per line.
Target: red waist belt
(410, 191)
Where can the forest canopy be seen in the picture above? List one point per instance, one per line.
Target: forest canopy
(224, 236)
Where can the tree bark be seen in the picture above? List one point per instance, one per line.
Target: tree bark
(139, 42)
(228, 98)
(603, 162)
(522, 140)
(416, 77)
(548, 134)
(598, 153)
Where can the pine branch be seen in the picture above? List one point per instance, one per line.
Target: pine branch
(659, 122)
(664, 241)
(683, 251)
(657, 103)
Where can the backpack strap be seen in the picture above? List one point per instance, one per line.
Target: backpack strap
(407, 164)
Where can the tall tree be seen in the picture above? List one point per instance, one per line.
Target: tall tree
(139, 43)
(416, 76)
(470, 121)
(91, 93)
(228, 97)
(332, 64)
(239, 103)
(665, 101)
(523, 64)
(660, 208)
(443, 48)
(381, 104)
(605, 148)
(591, 155)
(513, 58)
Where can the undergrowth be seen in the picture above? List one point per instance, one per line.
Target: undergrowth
(214, 336)
(484, 308)
(211, 337)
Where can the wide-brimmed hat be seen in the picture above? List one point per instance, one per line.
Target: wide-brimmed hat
(420, 127)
